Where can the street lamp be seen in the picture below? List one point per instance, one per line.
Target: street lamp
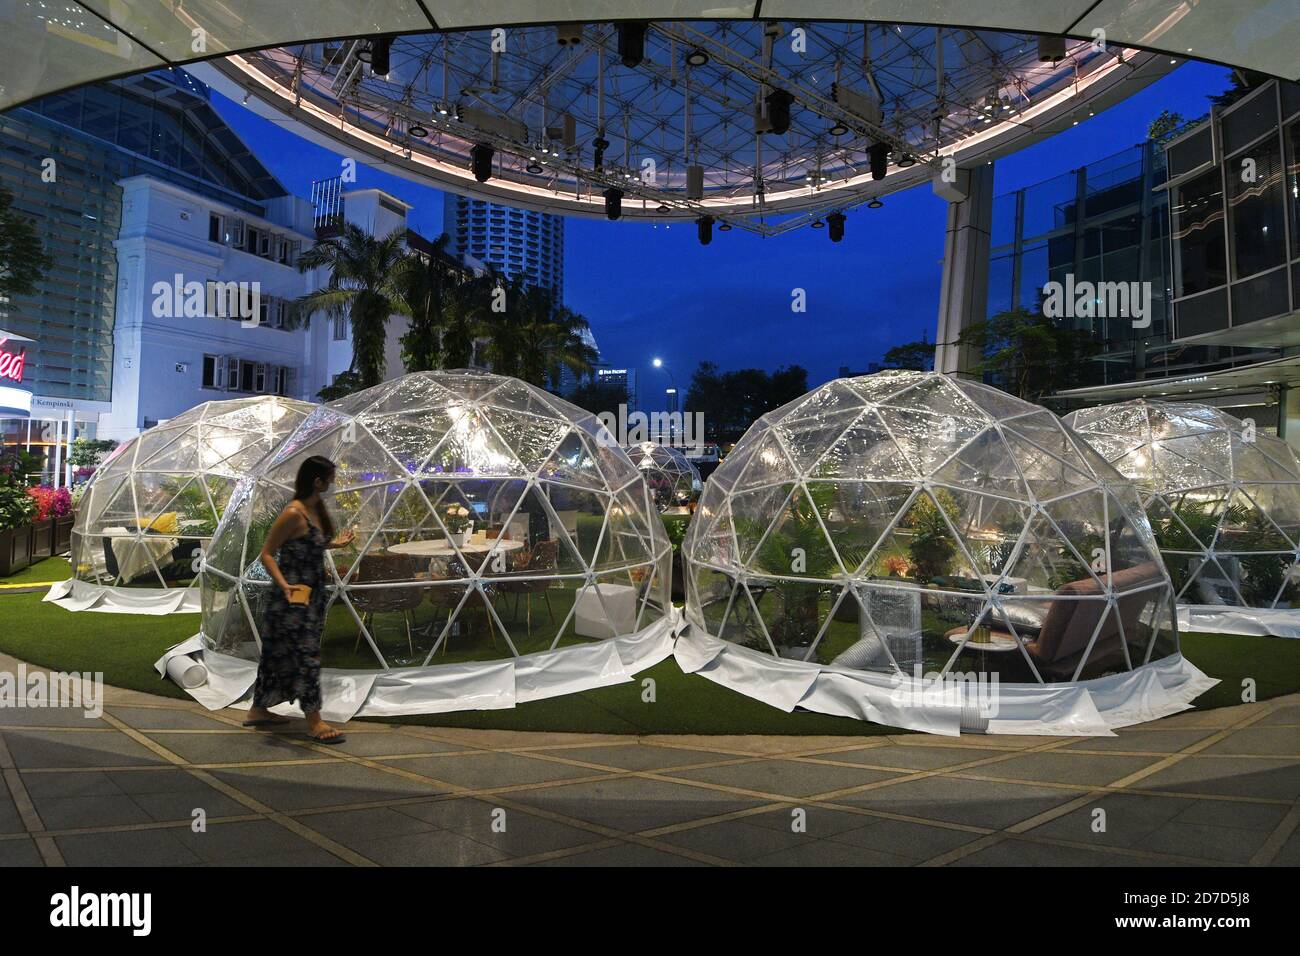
(671, 393)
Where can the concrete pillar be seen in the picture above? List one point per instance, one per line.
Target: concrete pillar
(1288, 416)
(964, 294)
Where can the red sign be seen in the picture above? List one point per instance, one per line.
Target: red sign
(11, 363)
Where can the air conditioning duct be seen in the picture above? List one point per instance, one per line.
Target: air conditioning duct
(492, 123)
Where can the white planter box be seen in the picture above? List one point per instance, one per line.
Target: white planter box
(611, 614)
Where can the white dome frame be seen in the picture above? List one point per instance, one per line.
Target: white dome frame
(410, 451)
(157, 498)
(1195, 463)
(868, 455)
(674, 480)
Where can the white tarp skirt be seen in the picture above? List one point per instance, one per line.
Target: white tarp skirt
(1251, 621)
(77, 595)
(487, 685)
(1087, 708)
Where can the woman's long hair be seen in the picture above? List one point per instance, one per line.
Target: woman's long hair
(304, 486)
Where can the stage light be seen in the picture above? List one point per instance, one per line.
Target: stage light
(907, 159)
(878, 153)
(418, 131)
(875, 203)
(534, 168)
(694, 181)
(377, 55)
(778, 111)
(613, 202)
(704, 228)
(839, 129)
(724, 226)
(1051, 49)
(480, 161)
(631, 43)
(568, 34)
(697, 57)
(818, 224)
(836, 222)
(599, 145)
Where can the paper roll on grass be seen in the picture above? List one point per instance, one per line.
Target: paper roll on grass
(187, 672)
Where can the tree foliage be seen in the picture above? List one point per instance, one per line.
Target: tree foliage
(23, 260)
(1027, 354)
(732, 401)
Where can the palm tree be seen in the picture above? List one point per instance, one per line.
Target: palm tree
(464, 320)
(428, 284)
(363, 285)
(503, 327)
(554, 338)
(535, 338)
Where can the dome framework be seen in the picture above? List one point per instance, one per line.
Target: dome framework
(492, 520)
(154, 503)
(1222, 497)
(904, 525)
(567, 122)
(673, 479)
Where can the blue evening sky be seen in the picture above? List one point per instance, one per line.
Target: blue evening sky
(652, 290)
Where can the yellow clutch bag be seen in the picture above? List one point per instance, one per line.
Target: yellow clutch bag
(299, 594)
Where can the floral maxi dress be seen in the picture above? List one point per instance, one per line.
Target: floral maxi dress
(290, 665)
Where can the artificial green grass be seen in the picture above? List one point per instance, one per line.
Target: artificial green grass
(42, 572)
(124, 648)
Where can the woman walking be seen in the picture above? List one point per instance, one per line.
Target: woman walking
(294, 556)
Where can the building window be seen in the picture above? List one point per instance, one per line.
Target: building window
(340, 328)
(1256, 215)
(1200, 249)
(215, 232)
(214, 371)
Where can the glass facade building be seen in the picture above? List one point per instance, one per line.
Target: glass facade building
(62, 158)
(1107, 222)
(1234, 188)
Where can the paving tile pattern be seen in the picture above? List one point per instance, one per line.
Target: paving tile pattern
(165, 783)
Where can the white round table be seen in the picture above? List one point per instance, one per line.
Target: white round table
(441, 547)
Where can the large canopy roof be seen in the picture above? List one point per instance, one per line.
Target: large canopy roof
(949, 80)
(52, 44)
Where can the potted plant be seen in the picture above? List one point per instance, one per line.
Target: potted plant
(796, 603)
(931, 547)
(16, 510)
(459, 525)
(675, 525)
(65, 517)
(42, 522)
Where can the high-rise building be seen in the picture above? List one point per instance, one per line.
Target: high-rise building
(516, 242)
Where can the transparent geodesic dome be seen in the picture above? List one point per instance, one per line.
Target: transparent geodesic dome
(492, 520)
(908, 522)
(673, 479)
(1222, 497)
(156, 499)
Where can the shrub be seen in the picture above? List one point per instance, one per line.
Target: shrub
(16, 507)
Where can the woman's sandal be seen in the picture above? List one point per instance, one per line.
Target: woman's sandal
(337, 738)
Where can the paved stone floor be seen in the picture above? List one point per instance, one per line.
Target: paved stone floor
(1218, 787)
